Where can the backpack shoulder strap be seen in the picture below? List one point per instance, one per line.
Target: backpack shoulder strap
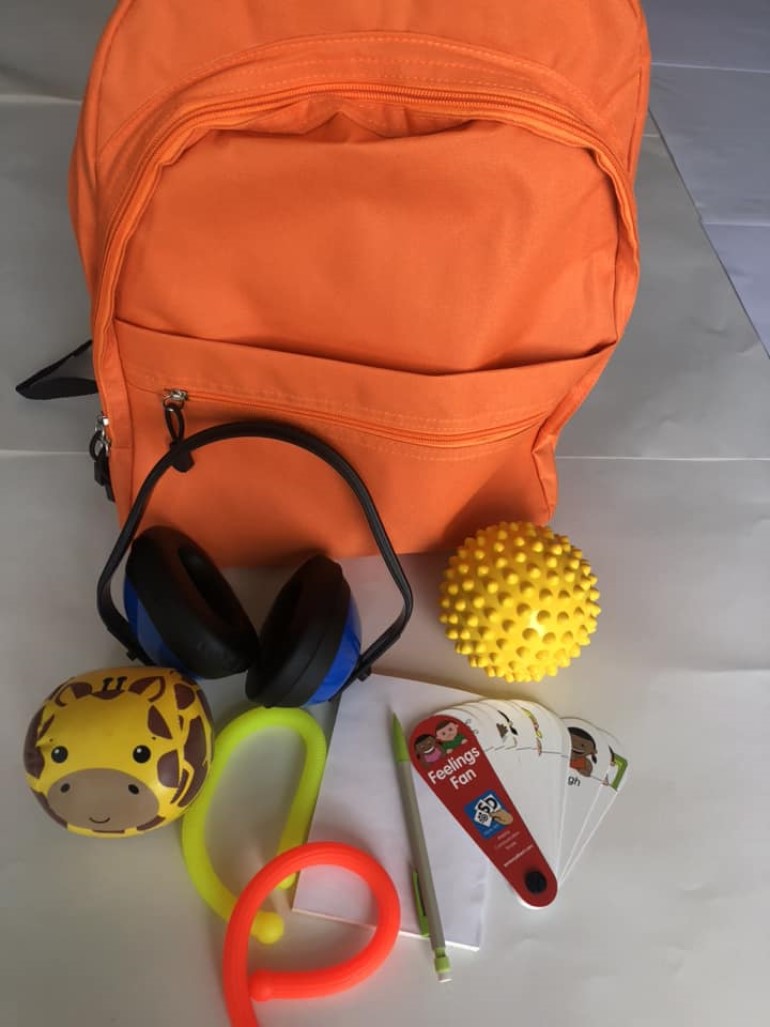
(41, 384)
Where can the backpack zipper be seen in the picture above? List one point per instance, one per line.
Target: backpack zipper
(176, 400)
(99, 451)
(173, 412)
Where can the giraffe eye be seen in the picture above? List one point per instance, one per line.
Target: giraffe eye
(59, 754)
(141, 754)
(134, 789)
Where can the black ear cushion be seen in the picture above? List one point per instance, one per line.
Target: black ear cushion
(191, 604)
(301, 635)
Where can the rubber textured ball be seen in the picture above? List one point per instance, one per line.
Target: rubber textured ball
(519, 601)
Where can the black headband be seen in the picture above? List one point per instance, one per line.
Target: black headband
(118, 626)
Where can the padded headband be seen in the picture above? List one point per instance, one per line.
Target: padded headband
(118, 626)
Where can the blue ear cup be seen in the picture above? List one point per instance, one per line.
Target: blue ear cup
(182, 610)
(145, 631)
(343, 665)
(310, 641)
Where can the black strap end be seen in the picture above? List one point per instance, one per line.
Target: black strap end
(42, 386)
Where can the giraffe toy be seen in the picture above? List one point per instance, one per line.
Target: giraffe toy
(119, 752)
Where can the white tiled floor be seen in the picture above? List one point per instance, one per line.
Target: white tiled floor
(710, 33)
(689, 379)
(42, 294)
(710, 96)
(717, 125)
(745, 253)
(46, 47)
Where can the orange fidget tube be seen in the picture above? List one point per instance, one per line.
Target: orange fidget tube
(241, 988)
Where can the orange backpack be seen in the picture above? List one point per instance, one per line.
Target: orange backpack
(408, 228)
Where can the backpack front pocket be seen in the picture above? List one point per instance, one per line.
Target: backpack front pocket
(441, 454)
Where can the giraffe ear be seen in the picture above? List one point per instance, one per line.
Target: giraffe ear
(72, 690)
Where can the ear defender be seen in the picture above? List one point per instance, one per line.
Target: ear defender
(186, 616)
(183, 611)
(310, 641)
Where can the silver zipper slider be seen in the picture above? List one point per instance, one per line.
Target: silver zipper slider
(99, 450)
(102, 423)
(173, 407)
(175, 398)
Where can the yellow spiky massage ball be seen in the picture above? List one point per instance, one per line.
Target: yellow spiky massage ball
(519, 601)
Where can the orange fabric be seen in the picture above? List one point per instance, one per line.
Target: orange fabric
(409, 228)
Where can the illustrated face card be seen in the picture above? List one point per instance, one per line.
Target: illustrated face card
(605, 780)
(519, 757)
(553, 749)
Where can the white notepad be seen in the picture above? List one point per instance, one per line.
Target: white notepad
(360, 803)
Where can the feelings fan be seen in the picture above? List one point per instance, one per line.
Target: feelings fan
(530, 788)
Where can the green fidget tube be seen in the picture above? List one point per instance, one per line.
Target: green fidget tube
(268, 926)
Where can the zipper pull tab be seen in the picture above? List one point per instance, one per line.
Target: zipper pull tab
(173, 412)
(99, 451)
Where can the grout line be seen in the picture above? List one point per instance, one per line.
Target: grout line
(37, 100)
(11, 454)
(673, 459)
(709, 67)
(736, 224)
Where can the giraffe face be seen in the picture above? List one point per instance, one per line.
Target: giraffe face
(119, 752)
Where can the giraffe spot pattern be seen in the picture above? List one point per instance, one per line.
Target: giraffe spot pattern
(184, 696)
(195, 755)
(168, 769)
(156, 724)
(182, 785)
(33, 758)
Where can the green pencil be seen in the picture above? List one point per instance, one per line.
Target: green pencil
(425, 893)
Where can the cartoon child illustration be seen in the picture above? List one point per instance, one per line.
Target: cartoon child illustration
(448, 736)
(583, 754)
(536, 726)
(507, 729)
(427, 750)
